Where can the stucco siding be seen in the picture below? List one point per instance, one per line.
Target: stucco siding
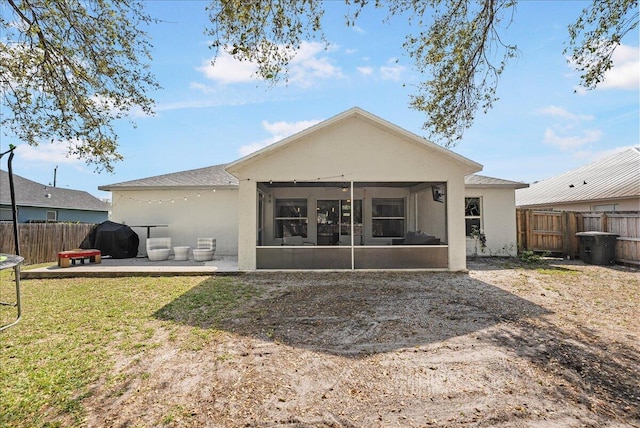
(352, 150)
(431, 215)
(498, 222)
(188, 216)
(356, 150)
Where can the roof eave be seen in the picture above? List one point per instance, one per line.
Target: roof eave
(497, 186)
(109, 188)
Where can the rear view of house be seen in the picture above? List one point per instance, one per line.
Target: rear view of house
(352, 192)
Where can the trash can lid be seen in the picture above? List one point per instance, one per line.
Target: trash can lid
(595, 233)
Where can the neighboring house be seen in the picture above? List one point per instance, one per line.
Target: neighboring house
(38, 202)
(351, 192)
(610, 184)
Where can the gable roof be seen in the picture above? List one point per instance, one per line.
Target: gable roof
(211, 176)
(614, 177)
(475, 181)
(32, 194)
(352, 112)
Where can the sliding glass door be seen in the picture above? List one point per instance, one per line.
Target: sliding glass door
(334, 221)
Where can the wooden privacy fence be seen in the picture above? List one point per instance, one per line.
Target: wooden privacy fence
(555, 231)
(41, 242)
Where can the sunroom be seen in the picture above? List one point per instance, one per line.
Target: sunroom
(353, 192)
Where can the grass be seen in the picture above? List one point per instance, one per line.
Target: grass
(73, 329)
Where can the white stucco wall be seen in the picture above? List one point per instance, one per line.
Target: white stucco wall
(359, 150)
(498, 222)
(431, 215)
(210, 215)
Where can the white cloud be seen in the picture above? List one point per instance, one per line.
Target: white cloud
(227, 69)
(567, 132)
(391, 72)
(571, 142)
(624, 74)
(350, 51)
(562, 113)
(305, 68)
(308, 66)
(56, 152)
(367, 71)
(278, 131)
(358, 29)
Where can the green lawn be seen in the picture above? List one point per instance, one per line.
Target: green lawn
(72, 331)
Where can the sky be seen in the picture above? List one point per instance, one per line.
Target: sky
(544, 124)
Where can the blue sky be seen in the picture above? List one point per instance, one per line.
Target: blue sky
(208, 115)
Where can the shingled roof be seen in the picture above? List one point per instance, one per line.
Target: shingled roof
(32, 194)
(475, 181)
(615, 177)
(211, 176)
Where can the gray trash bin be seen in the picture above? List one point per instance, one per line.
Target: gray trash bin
(598, 248)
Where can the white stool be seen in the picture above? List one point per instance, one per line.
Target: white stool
(181, 253)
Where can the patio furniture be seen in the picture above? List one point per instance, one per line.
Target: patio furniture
(66, 258)
(204, 250)
(416, 238)
(181, 253)
(158, 248)
(295, 241)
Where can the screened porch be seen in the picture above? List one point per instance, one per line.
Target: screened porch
(351, 225)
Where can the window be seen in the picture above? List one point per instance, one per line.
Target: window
(600, 208)
(387, 217)
(52, 215)
(472, 217)
(6, 214)
(291, 218)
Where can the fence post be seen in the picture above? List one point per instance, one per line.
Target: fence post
(529, 233)
(565, 234)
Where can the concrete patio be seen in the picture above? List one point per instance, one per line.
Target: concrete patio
(137, 266)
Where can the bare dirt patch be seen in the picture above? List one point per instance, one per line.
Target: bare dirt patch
(505, 345)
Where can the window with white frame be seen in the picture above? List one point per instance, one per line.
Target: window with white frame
(387, 217)
(290, 218)
(472, 215)
(52, 216)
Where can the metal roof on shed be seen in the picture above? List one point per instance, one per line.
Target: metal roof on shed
(615, 177)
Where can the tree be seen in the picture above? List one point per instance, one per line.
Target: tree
(69, 69)
(457, 46)
(596, 34)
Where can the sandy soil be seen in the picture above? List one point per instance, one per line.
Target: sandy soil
(505, 345)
